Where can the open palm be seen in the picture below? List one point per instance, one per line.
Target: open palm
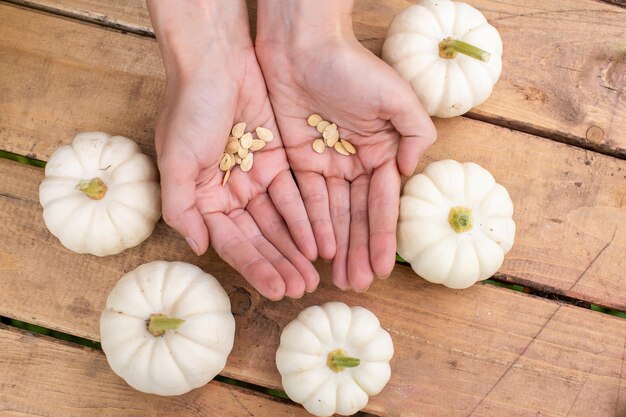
(352, 201)
(250, 220)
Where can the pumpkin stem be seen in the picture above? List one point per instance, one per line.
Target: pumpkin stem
(460, 218)
(161, 323)
(94, 188)
(338, 360)
(448, 48)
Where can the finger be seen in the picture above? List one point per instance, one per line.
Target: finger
(294, 282)
(339, 194)
(287, 199)
(315, 196)
(383, 206)
(274, 228)
(417, 131)
(232, 246)
(178, 194)
(360, 274)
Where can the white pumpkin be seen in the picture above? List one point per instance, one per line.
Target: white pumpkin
(167, 328)
(448, 52)
(455, 223)
(100, 195)
(333, 357)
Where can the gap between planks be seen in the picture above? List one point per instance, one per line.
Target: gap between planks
(85, 16)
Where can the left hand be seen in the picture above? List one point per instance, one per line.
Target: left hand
(256, 221)
(352, 201)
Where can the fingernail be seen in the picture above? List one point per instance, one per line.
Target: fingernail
(385, 276)
(193, 245)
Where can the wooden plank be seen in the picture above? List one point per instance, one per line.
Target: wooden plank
(556, 80)
(46, 377)
(83, 80)
(486, 349)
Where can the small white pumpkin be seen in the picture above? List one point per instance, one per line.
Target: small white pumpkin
(100, 195)
(455, 223)
(167, 328)
(332, 358)
(448, 52)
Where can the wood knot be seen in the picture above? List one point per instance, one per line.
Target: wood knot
(595, 134)
(240, 301)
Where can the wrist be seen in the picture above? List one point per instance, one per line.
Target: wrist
(303, 23)
(190, 32)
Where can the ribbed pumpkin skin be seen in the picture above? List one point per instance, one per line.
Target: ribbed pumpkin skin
(127, 213)
(181, 359)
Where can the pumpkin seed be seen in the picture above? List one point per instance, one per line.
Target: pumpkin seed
(319, 146)
(331, 135)
(232, 146)
(242, 152)
(238, 129)
(246, 163)
(226, 163)
(341, 149)
(226, 177)
(257, 144)
(246, 140)
(314, 120)
(322, 125)
(329, 131)
(237, 159)
(264, 134)
(348, 146)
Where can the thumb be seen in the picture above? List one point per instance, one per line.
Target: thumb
(417, 131)
(178, 193)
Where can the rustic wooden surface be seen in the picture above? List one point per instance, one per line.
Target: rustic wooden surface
(484, 349)
(568, 201)
(479, 352)
(564, 72)
(46, 377)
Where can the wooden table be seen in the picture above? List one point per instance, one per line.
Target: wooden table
(553, 132)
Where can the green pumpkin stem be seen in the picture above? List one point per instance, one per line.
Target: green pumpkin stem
(460, 218)
(338, 360)
(94, 188)
(448, 48)
(161, 323)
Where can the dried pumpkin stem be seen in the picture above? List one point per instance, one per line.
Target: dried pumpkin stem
(338, 360)
(448, 48)
(161, 323)
(460, 218)
(94, 188)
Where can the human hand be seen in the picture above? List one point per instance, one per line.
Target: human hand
(213, 81)
(312, 63)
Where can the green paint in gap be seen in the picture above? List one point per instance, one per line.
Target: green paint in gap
(22, 159)
(399, 259)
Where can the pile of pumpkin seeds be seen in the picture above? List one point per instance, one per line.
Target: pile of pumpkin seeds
(330, 136)
(240, 148)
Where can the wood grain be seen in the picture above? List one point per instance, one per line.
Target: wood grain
(568, 201)
(484, 351)
(88, 78)
(557, 80)
(46, 377)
